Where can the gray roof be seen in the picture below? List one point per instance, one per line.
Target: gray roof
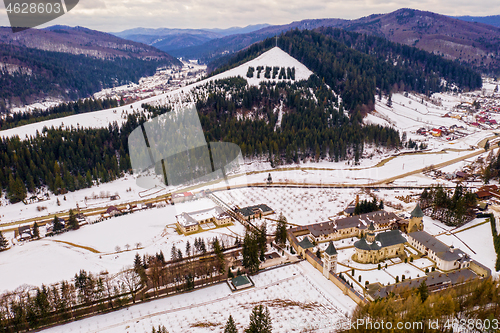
(389, 238)
(349, 210)
(383, 239)
(441, 250)
(371, 227)
(417, 211)
(305, 243)
(323, 228)
(362, 244)
(432, 280)
(252, 210)
(360, 221)
(331, 250)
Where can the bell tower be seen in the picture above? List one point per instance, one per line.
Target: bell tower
(329, 260)
(370, 235)
(415, 223)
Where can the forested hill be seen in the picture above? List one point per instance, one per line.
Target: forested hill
(356, 66)
(284, 123)
(70, 63)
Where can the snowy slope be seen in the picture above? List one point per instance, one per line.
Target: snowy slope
(271, 58)
(96, 119)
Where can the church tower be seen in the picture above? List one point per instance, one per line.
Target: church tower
(329, 260)
(370, 235)
(415, 223)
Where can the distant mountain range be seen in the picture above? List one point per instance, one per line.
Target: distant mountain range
(41, 62)
(172, 39)
(475, 43)
(493, 20)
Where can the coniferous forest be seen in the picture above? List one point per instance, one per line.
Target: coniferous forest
(313, 126)
(358, 66)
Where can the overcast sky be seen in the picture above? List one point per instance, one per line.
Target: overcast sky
(118, 15)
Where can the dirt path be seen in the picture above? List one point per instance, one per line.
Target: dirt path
(88, 248)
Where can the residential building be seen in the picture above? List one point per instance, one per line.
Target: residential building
(212, 217)
(254, 211)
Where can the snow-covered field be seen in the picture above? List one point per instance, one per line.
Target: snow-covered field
(479, 241)
(298, 297)
(106, 246)
(153, 230)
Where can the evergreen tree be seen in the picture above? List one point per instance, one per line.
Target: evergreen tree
(262, 241)
(16, 190)
(269, 179)
(57, 225)
(260, 320)
(381, 204)
(174, 253)
(188, 249)
(72, 222)
(36, 230)
(138, 263)
(250, 251)
(203, 247)
(230, 326)
(219, 255)
(280, 237)
(389, 100)
(423, 291)
(4, 243)
(487, 175)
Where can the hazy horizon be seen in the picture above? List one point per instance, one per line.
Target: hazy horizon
(116, 16)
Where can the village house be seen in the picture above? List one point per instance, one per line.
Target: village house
(210, 218)
(254, 211)
(182, 197)
(113, 211)
(24, 232)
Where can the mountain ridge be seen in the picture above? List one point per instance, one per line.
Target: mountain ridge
(473, 43)
(168, 39)
(81, 40)
(493, 20)
(69, 63)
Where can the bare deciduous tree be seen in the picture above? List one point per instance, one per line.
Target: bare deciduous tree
(131, 280)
